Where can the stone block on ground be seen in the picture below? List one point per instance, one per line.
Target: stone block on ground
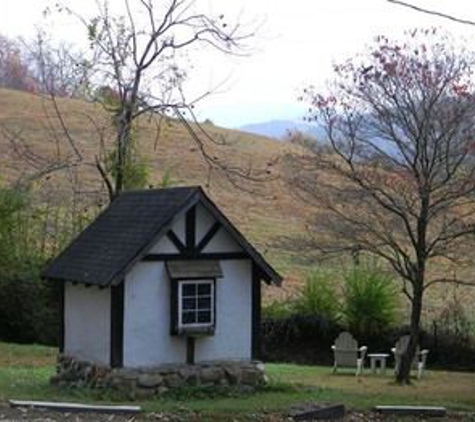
(156, 380)
(211, 375)
(149, 380)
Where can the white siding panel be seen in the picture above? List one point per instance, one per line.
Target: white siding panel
(232, 337)
(222, 242)
(178, 228)
(204, 221)
(147, 339)
(87, 323)
(164, 245)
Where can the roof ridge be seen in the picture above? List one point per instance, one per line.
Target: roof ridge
(156, 190)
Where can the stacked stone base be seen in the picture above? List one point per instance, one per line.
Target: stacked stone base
(148, 382)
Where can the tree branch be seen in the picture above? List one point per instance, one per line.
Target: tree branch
(433, 12)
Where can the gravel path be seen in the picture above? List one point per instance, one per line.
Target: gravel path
(22, 414)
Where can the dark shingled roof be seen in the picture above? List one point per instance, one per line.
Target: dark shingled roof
(123, 233)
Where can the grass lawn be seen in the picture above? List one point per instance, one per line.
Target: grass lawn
(25, 370)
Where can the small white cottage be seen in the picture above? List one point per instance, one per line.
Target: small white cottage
(161, 277)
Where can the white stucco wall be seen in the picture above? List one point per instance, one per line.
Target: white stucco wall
(232, 337)
(147, 339)
(87, 323)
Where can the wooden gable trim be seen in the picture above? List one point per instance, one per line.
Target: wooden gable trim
(193, 255)
(190, 228)
(269, 275)
(117, 326)
(176, 241)
(208, 237)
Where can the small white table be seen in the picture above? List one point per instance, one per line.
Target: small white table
(378, 360)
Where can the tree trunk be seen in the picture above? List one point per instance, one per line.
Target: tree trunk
(404, 372)
(122, 149)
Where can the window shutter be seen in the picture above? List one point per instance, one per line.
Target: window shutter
(173, 307)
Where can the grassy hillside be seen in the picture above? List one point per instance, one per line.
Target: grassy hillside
(29, 128)
(263, 211)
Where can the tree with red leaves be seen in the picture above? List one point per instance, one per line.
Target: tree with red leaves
(399, 183)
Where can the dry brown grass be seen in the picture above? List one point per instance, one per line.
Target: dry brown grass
(26, 356)
(264, 217)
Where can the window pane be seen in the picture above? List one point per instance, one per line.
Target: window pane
(189, 303)
(204, 303)
(188, 317)
(204, 289)
(196, 302)
(189, 289)
(204, 316)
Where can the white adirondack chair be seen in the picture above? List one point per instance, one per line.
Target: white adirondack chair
(420, 358)
(347, 353)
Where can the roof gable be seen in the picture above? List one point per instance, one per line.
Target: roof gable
(123, 233)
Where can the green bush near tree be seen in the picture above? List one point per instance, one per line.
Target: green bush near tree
(369, 300)
(319, 297)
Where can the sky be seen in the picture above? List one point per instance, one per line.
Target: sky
(296, 45)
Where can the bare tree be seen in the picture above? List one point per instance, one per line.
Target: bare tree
(58, 70)
(135, 63)
(400, 181)
(14, 72)
(433, 12)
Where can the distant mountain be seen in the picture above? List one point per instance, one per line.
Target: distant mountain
(279, 129)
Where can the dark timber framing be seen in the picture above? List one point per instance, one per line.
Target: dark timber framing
(217, 255)
(208, 236)
(117, 326)
(176, 241)
(256, 313)
(190, 350)
(190, 229)
(173, 307)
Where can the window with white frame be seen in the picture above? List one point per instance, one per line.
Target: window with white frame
(195, 304)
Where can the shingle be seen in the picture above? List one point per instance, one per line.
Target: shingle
(121, 234)
(101, 251)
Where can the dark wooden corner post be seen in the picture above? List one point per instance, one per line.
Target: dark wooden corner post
(256, 313)
(117, 326)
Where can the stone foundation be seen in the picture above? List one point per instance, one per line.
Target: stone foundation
(147, 382)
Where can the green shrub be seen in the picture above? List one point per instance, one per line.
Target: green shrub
(369, 300)
(28, 305)
(277, 310)
(319, 297)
